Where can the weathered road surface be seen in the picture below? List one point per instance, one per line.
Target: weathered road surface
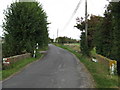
(58, 69)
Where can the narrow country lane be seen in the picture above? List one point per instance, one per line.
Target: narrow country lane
(57, 69)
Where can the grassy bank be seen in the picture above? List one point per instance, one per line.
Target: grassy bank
(19, 65)
(98, 71)
(0, 74)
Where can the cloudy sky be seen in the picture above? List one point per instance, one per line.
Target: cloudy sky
(59, 13)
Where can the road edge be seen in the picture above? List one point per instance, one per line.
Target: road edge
(84, 67)
(42, 56)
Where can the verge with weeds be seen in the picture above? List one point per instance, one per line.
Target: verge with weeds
(99, 71)
(19, 65)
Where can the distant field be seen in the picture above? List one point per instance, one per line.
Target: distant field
(72, 44)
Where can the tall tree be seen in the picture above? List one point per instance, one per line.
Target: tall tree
(103, 39)
(92, 23)
(115, 11)
(108, 35)
(25, 25)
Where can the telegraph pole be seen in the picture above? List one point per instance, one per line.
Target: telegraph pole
(57, 35)
(53, 38)
(86, 22)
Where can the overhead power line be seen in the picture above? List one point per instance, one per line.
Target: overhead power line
(75, 10)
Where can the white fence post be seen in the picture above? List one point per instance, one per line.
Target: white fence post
(35, 51)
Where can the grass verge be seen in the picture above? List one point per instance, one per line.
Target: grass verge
(0, 74)
(98, 71)
(19, 65)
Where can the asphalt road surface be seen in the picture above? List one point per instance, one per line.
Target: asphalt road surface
(57, 69)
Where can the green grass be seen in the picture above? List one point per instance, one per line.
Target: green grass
(74, 43)
(43, 49)
(17, 66)
(0, 74)
(98, 71)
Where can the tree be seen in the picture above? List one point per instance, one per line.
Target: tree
(115, 11)
(92, 23)
(25, 25)
(103, 35)
(108, 35)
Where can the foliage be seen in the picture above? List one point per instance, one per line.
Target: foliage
(83, 46)
(92, 23)
(51, 40)
(115, 11)
(108, 36)
(64, 39)
(103, 33)
(25, 25)
(103, 39)
(98, 71)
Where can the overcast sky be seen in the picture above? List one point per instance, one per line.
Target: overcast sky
(59, 13)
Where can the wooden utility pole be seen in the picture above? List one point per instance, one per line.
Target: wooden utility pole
(57, 35)
(86, 22)
(53, 38)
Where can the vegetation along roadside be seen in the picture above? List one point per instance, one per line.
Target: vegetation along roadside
(99, 71)
(21, 64)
